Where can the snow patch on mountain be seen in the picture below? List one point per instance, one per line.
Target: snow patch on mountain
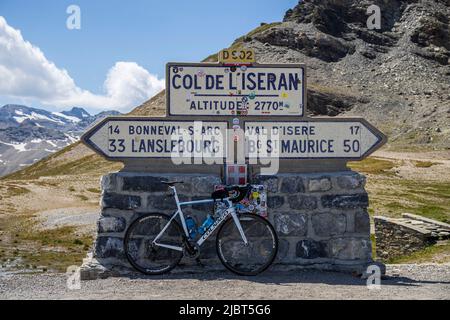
(29, 134)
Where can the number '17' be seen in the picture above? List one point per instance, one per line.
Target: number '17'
(354, 130)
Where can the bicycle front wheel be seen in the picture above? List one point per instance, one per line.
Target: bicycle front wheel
(146, 256)
(257, 255)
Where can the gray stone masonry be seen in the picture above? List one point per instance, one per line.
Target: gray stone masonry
(321, 219)
(403, 236)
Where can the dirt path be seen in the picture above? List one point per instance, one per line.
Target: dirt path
(402, 282)
(433, 166)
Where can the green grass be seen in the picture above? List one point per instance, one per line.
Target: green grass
(394, 196)
(424, 164)
(373, 166)
(54, 166)
(82, 197)
(439, 253)
(52, 249)
(13, 190)
(374, 246)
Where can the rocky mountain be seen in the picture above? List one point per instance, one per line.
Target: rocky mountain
(29, 134)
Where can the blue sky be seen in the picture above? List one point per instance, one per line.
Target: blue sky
(147, 33)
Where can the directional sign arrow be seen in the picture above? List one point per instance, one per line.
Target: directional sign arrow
(120, 138)
(344, 138)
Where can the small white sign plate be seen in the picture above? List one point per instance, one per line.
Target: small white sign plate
(217, 90)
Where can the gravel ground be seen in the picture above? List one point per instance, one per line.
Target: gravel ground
(402, 282)
(84, 219)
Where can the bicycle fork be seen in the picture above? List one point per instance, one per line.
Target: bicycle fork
(238, 225)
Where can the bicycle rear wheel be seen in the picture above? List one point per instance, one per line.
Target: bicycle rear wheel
(143, 254)
(257, 255)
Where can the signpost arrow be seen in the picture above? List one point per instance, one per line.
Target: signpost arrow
(121, 138)
(345, 138)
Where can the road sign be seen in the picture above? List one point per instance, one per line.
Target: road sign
(345, 138)
(205, 89)
(129, 138)
(237, 56)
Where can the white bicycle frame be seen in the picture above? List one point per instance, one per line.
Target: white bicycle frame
(230, 211)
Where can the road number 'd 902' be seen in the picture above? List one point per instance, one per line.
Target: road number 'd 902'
(239, 55)
(116, 145)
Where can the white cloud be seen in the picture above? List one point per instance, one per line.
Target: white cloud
(26, 74)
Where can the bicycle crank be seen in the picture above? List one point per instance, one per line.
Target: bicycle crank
(191, 250)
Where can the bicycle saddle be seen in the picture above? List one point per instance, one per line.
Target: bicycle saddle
(171, 183)
(225, 193)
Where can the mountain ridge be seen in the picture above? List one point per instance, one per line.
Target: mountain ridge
(29, 134)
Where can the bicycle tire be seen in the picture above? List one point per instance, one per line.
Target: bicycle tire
(225, 257)
(159, 220)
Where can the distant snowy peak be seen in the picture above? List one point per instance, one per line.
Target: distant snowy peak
(78, 113)
(28, 134)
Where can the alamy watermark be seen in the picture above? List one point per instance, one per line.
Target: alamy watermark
(209, 146)
(374, 279)
(73, 21)
(374, 20)
(73, 278)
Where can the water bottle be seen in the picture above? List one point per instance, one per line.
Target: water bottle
(191, 226)
(206, 224)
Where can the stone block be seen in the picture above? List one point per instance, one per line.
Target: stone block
(362, 222)
(205, 207)
(144, 183)
(302, 202)
(310, 249)
(329, 224)
(345, 201)
(109, 247)
(109, 182)
(351, 181)
(351, 248)
(291, 224)
(164, 202)
(292, 185)
(319, 184)
(205, 184)
(111, 224)
(274, 202)
(283, 250)
(120, 201)
(270, 182)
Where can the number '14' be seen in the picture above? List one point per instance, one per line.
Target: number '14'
(114, 129)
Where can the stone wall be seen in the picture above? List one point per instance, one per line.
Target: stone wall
(321, 219)
(403, 236)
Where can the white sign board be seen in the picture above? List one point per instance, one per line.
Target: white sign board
(217, 90)
(318, 139)
(123, 137)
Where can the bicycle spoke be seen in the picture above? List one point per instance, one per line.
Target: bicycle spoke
(254, 257)
(146, 256)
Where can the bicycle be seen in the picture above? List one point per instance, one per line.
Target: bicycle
(245, 243)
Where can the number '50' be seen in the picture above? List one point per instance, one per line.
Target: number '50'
(351, 145)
